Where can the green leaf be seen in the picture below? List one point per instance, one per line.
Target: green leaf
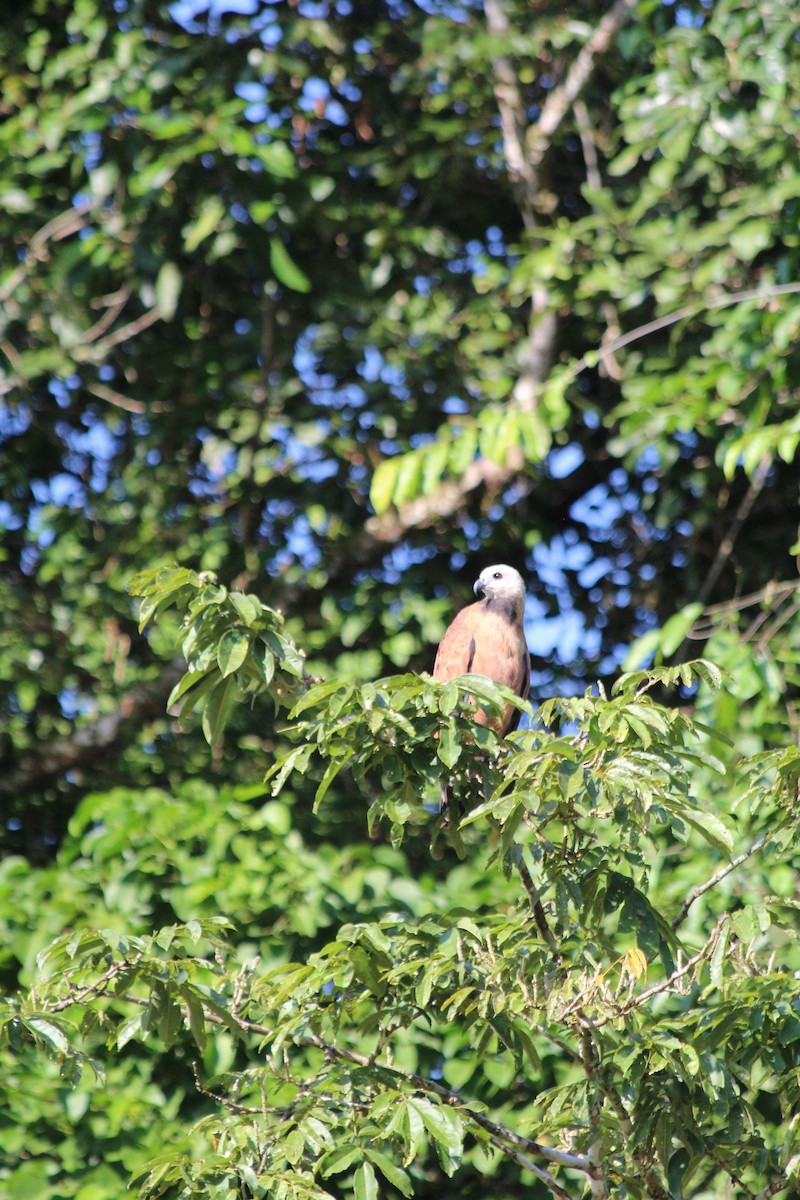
(233, 649)
(443, 1124)
(711, 827)
(339, 1160)
(449, 747)
(677, 627)
(168, 290)
(49, 1032)
(334, 767)
(434, 464)
(286, 271)
(750, 238)
(534, 434)
(248, 607)
(206, 222)
(383, 486)
(296, 760)
(218, 708)
(367, 971)
(183, 685)
(365, 1183)
(396, 1177)
(134, 1027)
(717, 960)
(196, 1012)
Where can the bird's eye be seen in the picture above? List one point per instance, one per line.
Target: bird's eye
(498, 575)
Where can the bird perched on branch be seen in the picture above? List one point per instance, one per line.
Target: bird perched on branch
(488, 639)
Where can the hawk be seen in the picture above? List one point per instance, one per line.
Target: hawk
(488, 638)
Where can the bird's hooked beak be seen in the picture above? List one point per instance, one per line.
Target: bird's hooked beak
(478, 588)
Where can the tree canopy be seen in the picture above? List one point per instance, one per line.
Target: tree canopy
(309, 312)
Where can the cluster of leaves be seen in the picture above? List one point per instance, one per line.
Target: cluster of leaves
(173, 181)
(598, 1011)
(499, 434)
(232, 643)
(238, 299)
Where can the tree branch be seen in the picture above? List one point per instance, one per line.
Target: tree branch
(702, 954)
(562, 98)
(535, 902)
(725, 548)
(47, 764)
(610, 366)
(598, 1185)
(504, 1139)
(682, 314)
(719, 875)
(513, 116)
(97, 350)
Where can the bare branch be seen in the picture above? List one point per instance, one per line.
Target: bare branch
(682, 314)
(112, 396)
(725, 548)
(536, 908)
(562, 98)
(116, 303)
(716, 878)
(106, 733)
(97, 350)
(765, 595)
(513, 116)
(594, 179)
(68, 222)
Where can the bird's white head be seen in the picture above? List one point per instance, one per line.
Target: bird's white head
(503, 587)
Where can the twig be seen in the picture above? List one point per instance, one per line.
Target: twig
(777, 1185)
(98, 988)
(536, 908)
(761, 619)
(540, 1173)
(563, 1045)
(763, 595)
(743, 511)
(593, 178)
(679, 972)
(113, 309)
(111, 396)
(787, 615)
(719, 875)
(513, 116)
(597, 1184)
(562, 98)
(506, 1138)
(681, 314)
(560, 1157)
(97, 350)
(54, 230)
(225, 1101)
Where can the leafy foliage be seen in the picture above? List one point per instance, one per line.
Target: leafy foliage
(329, 302)
(564, 1023)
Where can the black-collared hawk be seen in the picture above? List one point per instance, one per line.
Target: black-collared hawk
(488, 639)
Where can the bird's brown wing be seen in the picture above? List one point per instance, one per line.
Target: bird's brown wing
(457, 648)
(486, 643)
